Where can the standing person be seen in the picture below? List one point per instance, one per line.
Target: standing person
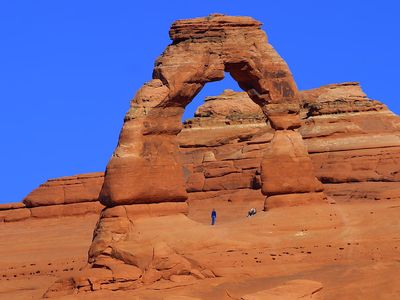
(213, 216)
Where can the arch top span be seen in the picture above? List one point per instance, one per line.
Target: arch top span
(203, 49)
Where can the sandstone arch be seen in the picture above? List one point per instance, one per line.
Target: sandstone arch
(145, 168)
(144, 175)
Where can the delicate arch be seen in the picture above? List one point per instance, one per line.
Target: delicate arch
(145, 166)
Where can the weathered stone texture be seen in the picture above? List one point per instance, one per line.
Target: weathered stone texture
(66, 190)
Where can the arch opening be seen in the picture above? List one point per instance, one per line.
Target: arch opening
(210, 89)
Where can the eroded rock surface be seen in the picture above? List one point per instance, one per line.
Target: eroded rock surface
(66, 190)
(59, 197)
(202, 49)
(355, 141)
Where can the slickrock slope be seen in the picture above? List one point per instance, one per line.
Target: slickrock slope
(66, 190)
(65, 196)
(341, 247)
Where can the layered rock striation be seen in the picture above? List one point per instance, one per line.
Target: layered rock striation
(353, 142)
(59, 197)
(202, 50)
(66, 190)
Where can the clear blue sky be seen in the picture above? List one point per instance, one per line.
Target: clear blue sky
(69, 68)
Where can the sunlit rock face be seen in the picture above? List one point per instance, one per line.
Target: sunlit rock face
(202, 50)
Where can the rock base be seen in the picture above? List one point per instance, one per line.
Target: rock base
(119, 258)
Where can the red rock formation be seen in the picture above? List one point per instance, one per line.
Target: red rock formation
(13, 215)
(357, 140)
(59, 197)
(146, 168)
(147, 149)
(285, 172)
(352, 139)
(65, 210)
(66, 190)
(50, 211)
(339, 98)
(226, 109)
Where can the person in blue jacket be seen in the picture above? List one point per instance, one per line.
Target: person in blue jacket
(213, 216)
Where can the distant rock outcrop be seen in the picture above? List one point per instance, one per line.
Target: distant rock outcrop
(352, 141)
(66, 190)
(64, 196)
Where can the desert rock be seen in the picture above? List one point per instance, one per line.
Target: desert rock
(196, 56)
(65, 190)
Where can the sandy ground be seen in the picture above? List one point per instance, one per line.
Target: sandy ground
(352, 248)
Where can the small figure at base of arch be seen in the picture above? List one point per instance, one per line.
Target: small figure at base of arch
(213, 216)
